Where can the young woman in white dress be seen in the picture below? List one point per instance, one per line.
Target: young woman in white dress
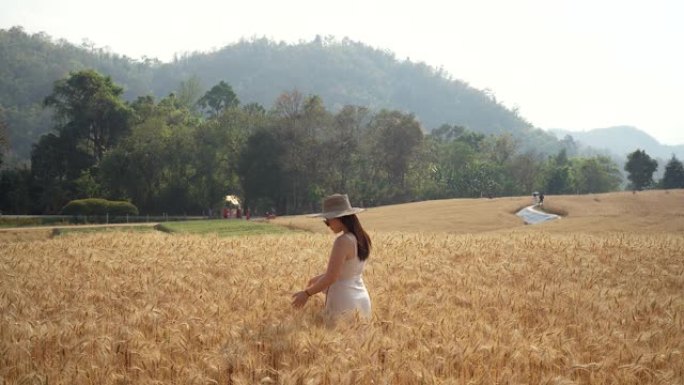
(342, 280)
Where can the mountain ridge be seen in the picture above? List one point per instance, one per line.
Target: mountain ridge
(341, 72)
(621, 140)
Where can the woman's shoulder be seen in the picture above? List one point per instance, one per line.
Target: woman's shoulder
(346, 239)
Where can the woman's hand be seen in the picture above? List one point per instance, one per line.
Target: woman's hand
(299, 299)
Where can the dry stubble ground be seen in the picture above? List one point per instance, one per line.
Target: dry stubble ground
(519, 308)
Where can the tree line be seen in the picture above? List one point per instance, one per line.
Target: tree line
(342, 72)
(184, 153)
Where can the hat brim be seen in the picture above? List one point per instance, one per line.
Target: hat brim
(337, 214)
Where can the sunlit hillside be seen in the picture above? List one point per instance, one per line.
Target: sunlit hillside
(646, 211)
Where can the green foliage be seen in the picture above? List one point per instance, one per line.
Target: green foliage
(89, 112)
(260, 170)
(4, 139)
(596, 175)
(154, 165)
(674, 174)
(218, 98)
(121, 208)
(640, 167)
(172, 159)
(342, 72)
(17, 191)
(91, 119)
(96, 206)
(189, 92)
(557, 176)
(393, 140)
(29, 66)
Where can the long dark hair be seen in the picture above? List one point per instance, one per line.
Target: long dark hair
(363, 241)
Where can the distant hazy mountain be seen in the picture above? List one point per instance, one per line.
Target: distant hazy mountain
(340, 71)
(621, 140)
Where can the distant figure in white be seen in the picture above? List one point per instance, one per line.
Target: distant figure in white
(342, 280)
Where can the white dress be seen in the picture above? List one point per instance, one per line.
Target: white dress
(348, 293)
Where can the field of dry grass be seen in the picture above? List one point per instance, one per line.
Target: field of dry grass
(517, 305)
(644, 212)
(456, 216)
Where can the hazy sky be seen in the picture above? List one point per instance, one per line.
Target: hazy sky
(574, 64)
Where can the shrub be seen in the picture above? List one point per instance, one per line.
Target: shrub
(121, 208)
(96, 206)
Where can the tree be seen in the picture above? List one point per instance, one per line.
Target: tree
(218, 98)
(17, 191)
(446, 133)
(525, 169)
(90, 111)
(501, 148)
(640, 167)
(156, 165)
(596, 175)
(219, 143)
(394, 137)
(348, 128)
(4, 140)
(569, 145)
(674, 174)
(188, 92)
(260, 171)
(557, 174)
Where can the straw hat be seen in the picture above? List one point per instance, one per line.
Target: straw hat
(337, 205)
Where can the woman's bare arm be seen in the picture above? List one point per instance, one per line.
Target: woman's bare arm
(340, 250)
(314, 279)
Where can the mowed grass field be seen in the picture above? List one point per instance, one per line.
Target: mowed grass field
(471, 297)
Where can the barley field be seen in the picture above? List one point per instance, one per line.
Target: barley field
(520, 306)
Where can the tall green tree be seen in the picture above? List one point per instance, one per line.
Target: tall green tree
(394, 137)
(4, 139)
(640, 167)
(596, 175)
(189, 92)
(261, 172)
(525, 169)
(218, 98)
(301, 123)
(89, 109)
(674, 174)
(342, 146)
(156, 165)
(90, 119)
(500, 148)
(18, 192)
(219, 143)
(558, 174)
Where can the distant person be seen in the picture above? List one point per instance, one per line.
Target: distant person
(342, 280)
(541, 199)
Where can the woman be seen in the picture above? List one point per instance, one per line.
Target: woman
(342, 280)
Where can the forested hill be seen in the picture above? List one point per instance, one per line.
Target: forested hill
(342, 72)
